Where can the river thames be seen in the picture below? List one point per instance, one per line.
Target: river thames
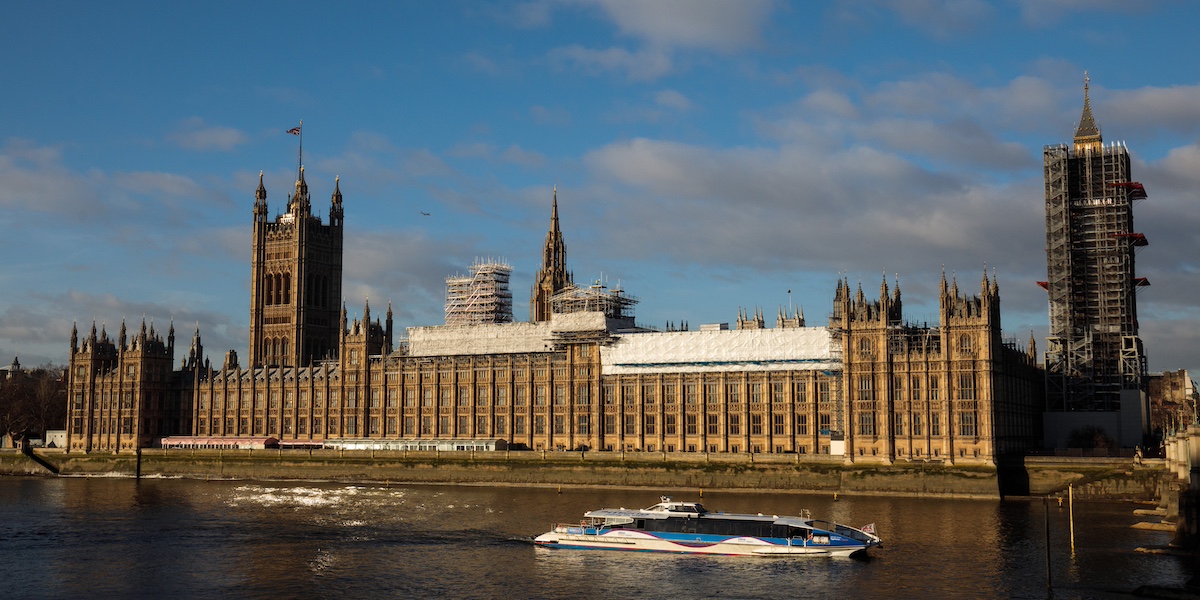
(162, 538)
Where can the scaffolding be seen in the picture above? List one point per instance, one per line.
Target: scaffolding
(483, 297)
(615, 304)
(1093, 350)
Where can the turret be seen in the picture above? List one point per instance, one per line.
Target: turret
(260, 201)
(335, 206)
(388, 329)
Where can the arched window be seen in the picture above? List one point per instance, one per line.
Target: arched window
(287, 288)
(283, 348)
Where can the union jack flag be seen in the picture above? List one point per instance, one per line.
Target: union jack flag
(869, 529)
(294, 131)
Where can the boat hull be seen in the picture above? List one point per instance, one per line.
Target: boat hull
(581, 538)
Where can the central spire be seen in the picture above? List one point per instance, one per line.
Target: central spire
(553, 275)
(1087, 135)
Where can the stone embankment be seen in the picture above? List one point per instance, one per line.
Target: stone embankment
(1093, 478)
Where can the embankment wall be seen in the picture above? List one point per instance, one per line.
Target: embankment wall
(1093, 478)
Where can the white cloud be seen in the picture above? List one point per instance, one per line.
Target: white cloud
(1044, 13)
(527, 158)
(543, 115)
(943, 18)
(195, 134)
(673, 99)
(470, 150)
(1174, 110)
(642, 65)
(718, 25)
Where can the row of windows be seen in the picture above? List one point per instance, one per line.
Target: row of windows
(965, 388)
(916, 424)
(965, 344)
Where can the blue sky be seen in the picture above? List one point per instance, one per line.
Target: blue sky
(709, 156)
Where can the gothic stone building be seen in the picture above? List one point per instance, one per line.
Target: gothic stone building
(868, 386)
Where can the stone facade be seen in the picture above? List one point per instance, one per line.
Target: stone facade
(869, 386)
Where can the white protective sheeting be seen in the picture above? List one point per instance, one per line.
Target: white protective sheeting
(460, 340)
(502, 338)
(779, 349)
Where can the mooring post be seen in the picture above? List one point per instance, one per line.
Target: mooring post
(1049, 579)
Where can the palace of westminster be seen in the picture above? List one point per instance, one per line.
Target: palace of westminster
(579, 375)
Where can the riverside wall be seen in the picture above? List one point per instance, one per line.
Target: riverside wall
(1032, 476)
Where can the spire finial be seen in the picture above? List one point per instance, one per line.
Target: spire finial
(1087, 135)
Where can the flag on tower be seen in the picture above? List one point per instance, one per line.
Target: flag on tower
(294, 131)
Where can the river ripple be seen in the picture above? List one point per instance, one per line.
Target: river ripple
(158, 538)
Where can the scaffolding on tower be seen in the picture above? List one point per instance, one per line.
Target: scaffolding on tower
(482, 297)
(1093, 350)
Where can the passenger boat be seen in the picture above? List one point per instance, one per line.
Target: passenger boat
(688, 527)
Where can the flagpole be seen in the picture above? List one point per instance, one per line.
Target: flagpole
(300, 155)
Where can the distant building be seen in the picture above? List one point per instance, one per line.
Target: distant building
(11, 371)
(1095, 363)
(870, 386)
(1173, 397)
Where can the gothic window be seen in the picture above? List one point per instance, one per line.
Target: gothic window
(581, 426)
(966, 424)
(865, 385)
(866, 424)
(966, 386)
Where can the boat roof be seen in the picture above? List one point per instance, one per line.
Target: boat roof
(668, 508)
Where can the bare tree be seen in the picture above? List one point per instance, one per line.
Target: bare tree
(33, 401)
